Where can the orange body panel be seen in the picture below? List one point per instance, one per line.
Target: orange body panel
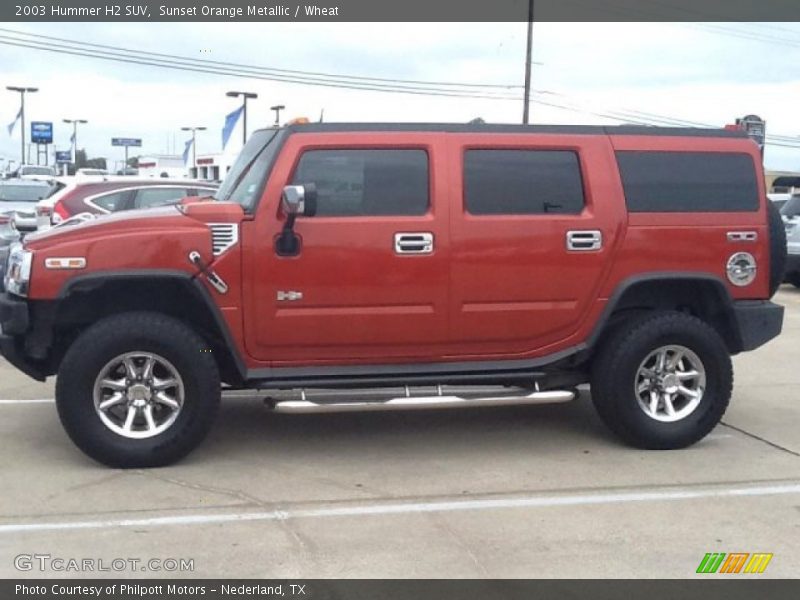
(495, 287)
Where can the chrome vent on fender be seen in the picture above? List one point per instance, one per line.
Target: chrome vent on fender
(223, 236)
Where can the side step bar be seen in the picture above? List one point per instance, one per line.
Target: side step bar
(410, 402)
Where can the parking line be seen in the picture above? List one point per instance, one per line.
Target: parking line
(539, 501)
(34, 401)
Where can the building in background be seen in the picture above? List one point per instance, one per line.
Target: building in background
(212, 167)
(162, 165)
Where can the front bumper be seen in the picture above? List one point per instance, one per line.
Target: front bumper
(14, 323)
(13, 315)
(758, 321)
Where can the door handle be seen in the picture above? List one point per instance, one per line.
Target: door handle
(584, 240)
(413, 243)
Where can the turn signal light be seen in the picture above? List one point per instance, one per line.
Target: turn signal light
(65, 263)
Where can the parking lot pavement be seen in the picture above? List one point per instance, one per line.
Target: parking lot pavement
(507, 492)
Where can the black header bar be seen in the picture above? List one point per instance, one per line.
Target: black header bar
(332, 11)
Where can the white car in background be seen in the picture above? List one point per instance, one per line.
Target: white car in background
(18, 198)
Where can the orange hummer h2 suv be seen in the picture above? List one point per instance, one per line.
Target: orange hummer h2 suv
(386, 266)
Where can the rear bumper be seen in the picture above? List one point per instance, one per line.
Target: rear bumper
(758, 321)
(792, 263)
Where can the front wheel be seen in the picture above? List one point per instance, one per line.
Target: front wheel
(662, 381)
(137, 390)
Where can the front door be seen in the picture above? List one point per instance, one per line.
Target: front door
(369, 282)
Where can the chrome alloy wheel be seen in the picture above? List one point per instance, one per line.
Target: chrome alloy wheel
(670, 383)
(138, 395)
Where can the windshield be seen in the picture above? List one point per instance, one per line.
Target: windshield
(245, 181)
(792, 207)
(23, 193)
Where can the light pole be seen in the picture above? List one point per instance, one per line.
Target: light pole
(194, 145)
(75, 138)
(528, 52)
(277, 108)
(245, 97)
(22, 91)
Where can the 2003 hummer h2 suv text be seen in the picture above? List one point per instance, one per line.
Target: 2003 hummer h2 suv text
(431, 265)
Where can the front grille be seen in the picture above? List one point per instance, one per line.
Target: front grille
(223, 236)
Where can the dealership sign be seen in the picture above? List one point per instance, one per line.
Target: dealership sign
(63, 156)
(126, 141)
(41, 132)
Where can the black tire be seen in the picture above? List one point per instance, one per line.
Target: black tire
(137, 332)
(794, 278)
(614, 372)
(777, 248)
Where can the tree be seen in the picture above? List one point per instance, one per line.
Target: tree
(82, 162)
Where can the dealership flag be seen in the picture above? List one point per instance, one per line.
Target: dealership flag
(14, 122)
(230, 123)
(188, 145)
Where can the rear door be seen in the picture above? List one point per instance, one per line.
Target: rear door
(533, 223)
(370, 281)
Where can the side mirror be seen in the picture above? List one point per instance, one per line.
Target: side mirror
(296, 200)
(299, 200)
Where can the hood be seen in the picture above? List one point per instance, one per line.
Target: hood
(155, 239)
(167, 220)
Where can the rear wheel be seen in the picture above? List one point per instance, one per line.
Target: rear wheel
(794, 278)
(137, 390)
(662, 381)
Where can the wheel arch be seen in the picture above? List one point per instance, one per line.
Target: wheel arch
(703, 295)
(88, 298)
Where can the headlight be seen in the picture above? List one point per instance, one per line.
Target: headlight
(18, 270)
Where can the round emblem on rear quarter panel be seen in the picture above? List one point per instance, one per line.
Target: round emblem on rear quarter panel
(741, 269)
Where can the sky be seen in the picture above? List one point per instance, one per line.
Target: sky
(700, 72)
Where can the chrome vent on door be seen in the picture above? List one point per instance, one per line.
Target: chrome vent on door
(223, 236)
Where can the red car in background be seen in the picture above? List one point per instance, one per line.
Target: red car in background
(105, 195)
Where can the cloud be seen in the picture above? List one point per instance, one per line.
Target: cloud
(709, 73)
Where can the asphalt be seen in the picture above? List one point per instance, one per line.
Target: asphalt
(540, 491)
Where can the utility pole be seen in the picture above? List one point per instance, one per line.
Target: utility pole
(245, 96)
(75, 137)
(528, 59)
(22, 91)
(194, 145)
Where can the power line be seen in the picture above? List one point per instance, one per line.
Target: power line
(267, 70)
(131, 57)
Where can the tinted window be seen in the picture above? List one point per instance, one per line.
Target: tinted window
(111, 202)
(24, 193)
(148, 197)
(688, 181)
(527, 182)
(366, 182)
